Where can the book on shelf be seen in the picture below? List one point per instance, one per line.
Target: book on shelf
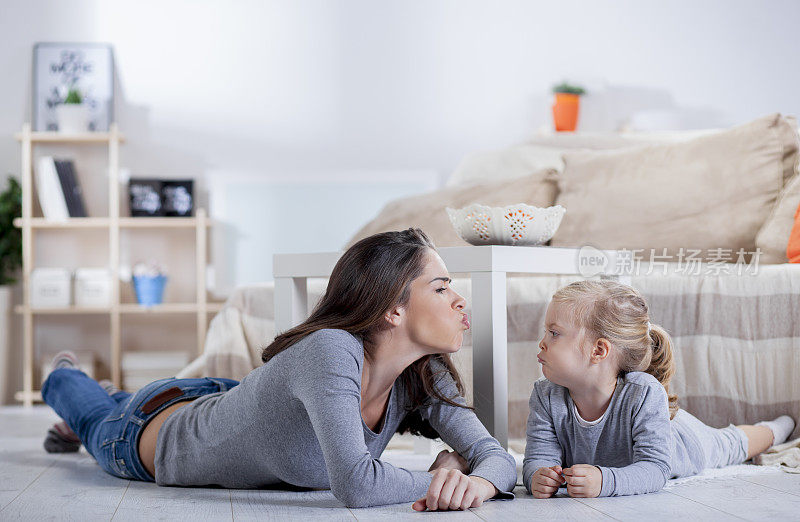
(71, 188)
(60, 194)
(48, 186)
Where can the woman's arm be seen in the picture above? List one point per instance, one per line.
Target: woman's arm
(450, 460)
(461, 429)
(328, 387)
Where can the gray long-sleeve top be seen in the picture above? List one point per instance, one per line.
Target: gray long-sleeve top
(632, 442)
(297, 420)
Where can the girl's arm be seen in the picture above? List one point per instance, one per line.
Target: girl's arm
(652, 447)
(461, 430)
(542, 449)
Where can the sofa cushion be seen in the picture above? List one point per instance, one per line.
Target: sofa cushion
(427, 211)
(712, 192)
(546, 151)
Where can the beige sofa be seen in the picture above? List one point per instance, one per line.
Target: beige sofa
(737, 336)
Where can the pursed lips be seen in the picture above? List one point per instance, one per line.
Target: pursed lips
(465, 320)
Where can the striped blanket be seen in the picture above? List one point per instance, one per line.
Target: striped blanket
(737, 339)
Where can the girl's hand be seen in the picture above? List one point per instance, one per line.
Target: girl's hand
(584, 481)
(546, 481)
(450, 460)
(451, 489)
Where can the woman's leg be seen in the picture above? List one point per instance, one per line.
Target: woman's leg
(80, 401)
(116, 394)
(60, 437)
(120, 396)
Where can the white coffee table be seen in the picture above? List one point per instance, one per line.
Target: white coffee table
(487, 266)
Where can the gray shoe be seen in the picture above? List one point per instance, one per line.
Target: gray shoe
(65, 359)
(61, 439)
(108, 386)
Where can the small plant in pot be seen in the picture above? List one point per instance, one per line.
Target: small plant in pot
(72, 113)
(149, 280)
(566, 105)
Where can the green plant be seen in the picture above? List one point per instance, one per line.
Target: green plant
(10, 236)
(567, 88)
(73, 96)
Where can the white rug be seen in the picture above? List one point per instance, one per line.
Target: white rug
(409, 460)
(728, 471)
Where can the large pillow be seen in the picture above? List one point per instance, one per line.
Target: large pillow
(546, 151)
(505, 164)
(427, 211)
(711, 192)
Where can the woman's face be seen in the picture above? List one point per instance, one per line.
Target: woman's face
(434, 316)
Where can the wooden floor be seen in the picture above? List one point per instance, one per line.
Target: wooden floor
(37, 486)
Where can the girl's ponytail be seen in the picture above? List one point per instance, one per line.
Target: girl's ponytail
(662, 363)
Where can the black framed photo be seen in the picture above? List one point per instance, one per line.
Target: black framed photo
(61, 67)
(177, 197)
(161, 197)
(145, 197)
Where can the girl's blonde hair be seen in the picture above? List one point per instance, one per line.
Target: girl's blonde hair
(617, 312)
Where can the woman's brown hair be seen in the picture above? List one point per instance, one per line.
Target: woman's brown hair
(371, 277)
(617, 312)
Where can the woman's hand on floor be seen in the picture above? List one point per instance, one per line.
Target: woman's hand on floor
(450, 460)
(451, 489)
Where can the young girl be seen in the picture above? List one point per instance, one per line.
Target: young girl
(603, 410)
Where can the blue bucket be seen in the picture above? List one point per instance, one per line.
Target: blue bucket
(149, 290)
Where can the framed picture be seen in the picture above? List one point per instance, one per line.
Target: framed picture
(58, 67)
(177, 197)
(145, 197)
(161, 197)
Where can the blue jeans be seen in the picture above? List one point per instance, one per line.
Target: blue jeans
(110, 426)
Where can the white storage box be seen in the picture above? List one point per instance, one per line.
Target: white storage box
(51, 288)
(93, 287)
(143, 367)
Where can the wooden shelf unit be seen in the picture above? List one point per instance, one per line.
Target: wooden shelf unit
(124, 308)
(99, 222)
(113, 224)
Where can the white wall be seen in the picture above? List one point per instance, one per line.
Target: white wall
(309, 89)
(309, 85)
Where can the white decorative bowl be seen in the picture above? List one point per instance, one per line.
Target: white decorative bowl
(518, 224)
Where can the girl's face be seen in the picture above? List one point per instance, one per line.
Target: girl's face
(434, 316)
(563, 356)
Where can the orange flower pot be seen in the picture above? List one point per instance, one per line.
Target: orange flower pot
(565, 111)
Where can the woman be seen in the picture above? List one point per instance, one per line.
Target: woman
(371, 360)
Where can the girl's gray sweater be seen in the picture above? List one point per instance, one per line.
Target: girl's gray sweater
(634, 443)
(297, 420)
